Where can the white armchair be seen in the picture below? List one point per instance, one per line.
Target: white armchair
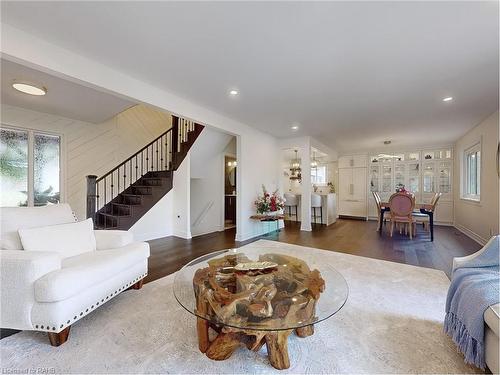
(45, 291)
(489, 255)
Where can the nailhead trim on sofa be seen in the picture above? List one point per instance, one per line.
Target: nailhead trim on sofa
(48, 328)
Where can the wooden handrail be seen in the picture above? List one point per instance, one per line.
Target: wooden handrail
(134, 155)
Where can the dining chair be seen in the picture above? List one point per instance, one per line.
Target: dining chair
(422, 218)
(402, 206)
(378, 202)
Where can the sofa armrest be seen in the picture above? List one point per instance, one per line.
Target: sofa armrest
(486, 257)
(19, 270)
(112, 239)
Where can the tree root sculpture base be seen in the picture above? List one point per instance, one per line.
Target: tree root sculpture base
(266, 300)
(228, 340)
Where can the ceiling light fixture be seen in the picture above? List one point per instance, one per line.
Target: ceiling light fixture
(233, 92)
(448, 99)
(295, 127)
(295, 168)
(28, 88)
(387, 142)
(314, 162)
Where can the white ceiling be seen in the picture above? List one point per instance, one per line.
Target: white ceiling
(63, 98)
(350, 73)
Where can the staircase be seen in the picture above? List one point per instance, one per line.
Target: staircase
(122, 196)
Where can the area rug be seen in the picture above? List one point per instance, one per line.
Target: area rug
(391, 323)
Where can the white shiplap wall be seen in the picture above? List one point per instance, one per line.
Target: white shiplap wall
(91, 148)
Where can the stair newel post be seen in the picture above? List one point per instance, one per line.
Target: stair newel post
(175, 140)
(91, 197)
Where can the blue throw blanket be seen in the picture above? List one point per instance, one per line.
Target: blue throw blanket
(474, 287)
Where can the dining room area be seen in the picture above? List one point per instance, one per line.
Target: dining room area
(408, 193)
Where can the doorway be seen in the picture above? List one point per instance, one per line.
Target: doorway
(230, 165)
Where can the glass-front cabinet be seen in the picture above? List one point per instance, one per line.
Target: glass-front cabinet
(444, 179)
(374, 178)
(414, 177)
(421, 172)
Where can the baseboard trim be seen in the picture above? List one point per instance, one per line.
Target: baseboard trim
(213, 230)
(476, 237)
(182, 234)
(150, 236)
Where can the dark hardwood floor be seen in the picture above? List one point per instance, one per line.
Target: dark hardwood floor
(355, 237)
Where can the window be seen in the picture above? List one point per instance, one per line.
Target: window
(318, 174)
(471, 173)
(29, 168)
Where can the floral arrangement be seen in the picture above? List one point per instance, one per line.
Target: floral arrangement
(269, 202)
(400, 188)
(331, 186)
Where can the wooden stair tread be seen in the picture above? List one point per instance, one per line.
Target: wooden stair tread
(112, 215)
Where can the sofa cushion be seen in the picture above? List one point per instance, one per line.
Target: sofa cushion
(492, 318)
(66, 239)
(14, 218)
(82, 271)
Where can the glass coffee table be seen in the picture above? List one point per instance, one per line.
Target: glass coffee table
(256, 296)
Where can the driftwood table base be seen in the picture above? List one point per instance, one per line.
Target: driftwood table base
(266, 300)
(228, 340)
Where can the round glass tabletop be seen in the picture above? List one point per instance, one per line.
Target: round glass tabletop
(260, 289)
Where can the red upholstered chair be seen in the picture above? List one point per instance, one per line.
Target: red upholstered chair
(402, 206)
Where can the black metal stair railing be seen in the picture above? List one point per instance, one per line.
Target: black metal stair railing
(158, 155)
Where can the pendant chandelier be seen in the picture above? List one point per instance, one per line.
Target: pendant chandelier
(295, 171)
(314, 162)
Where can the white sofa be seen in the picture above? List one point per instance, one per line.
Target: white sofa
(45, 291)
(492, 313)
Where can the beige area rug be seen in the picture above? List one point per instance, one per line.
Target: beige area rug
(391, 323)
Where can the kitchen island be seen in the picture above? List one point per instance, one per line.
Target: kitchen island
(329, 208)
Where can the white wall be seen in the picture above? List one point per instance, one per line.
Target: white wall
(91, 148)
(479, 220)
(158, 222)
(231, 148)
(207, 181)
(181, 223)
(257, 152)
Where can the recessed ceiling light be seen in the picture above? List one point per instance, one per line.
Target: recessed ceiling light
(233, 92)
(448, 99)
(295, 127)
(29, 88)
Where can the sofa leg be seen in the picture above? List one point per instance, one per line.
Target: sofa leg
(60, 338)
(137, 285)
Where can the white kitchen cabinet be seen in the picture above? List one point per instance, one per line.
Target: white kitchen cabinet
(352, 186)
(353, 161)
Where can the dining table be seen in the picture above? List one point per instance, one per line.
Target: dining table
(422, 208)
